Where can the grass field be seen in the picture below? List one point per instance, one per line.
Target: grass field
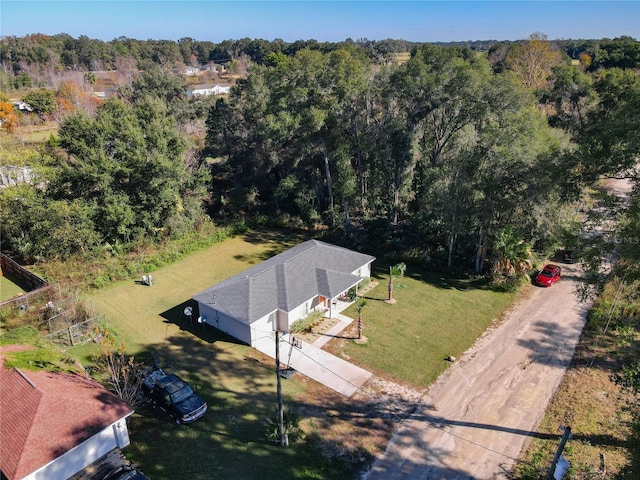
(150, 315)
(8, 288)
(403, 57)
(433, 317)
(36, 134)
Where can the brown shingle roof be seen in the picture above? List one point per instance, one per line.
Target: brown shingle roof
(43, 415)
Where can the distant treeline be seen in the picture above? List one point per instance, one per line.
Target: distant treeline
(455, 158)
(84, 53)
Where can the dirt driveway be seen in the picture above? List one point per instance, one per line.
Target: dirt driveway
(474, 421)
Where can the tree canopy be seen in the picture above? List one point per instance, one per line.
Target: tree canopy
(122, 177)
(455, 155)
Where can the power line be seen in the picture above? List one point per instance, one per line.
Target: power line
(616, 299)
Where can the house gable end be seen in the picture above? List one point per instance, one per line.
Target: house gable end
(230, 298)
(331, 284)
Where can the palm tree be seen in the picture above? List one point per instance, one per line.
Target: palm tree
(395, 271)
(359, 306)
(512, 254)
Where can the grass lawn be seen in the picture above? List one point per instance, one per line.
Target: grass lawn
(36, 134)
(8, 288)
(432, 318)
(144, 316)
(237, 383)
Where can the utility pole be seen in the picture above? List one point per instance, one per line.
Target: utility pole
(556, 458)
(284, 440)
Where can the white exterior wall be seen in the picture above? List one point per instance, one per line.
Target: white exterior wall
(301, 311)
(315, 304)
(217, 90)
(225, 323)
(364, 272)
(92, 449)
(263, 327)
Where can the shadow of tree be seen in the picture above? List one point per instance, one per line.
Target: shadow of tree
(445, 281)
(238, 384)
(278, 241)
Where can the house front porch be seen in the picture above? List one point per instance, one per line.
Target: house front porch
(338, 305)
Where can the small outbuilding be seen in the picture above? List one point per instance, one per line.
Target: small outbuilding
(312, 276)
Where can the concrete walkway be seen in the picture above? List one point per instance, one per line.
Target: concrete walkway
(312, 361)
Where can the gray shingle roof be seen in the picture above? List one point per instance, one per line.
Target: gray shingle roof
(286, 280)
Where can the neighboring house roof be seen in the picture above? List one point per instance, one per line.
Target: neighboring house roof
(286, 281)
(44, 415)
(209, 89)
(23, 106)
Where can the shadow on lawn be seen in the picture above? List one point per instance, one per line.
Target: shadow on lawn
(238, 384)
(440, 280)
(279, 241)
(189, 323)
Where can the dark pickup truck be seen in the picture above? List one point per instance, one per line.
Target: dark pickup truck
(173, 395)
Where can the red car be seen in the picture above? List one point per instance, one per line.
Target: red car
(549, 275)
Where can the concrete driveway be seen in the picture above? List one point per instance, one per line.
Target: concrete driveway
(312, 361)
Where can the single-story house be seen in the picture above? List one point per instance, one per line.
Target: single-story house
(190, 70)
(204, 90)
(53, 425)
(272, 295)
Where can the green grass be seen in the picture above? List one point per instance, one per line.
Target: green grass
(229, 441)
(604, 417)
(44, 354)
(143, 315)
(433, 318)
(8, 288)
(36, 134)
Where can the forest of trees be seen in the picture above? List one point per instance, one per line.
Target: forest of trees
(64, 52)
(459, 158)
(478, 159)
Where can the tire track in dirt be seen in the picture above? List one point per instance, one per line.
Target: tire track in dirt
(474, 421)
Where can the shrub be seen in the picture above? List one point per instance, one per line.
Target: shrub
(291, 424)
(307, 323)
(119, 373)
(629, 376)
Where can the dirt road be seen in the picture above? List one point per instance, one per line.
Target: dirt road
(476, 418)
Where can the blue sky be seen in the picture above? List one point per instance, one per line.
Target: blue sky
(416, 20)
